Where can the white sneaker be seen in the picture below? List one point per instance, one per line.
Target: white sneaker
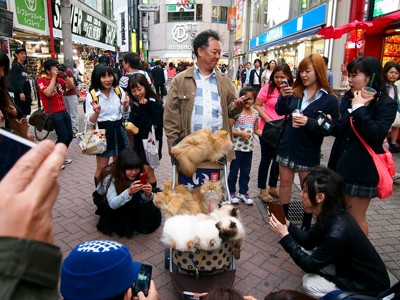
(396, 176)
(245, 198)
(67, 161)
(234, 198)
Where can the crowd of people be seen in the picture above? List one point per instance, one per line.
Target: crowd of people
(334, 252)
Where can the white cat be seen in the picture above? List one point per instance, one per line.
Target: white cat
(179, 232)
(207, 234)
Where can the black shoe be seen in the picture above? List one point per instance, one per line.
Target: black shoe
(394, 148)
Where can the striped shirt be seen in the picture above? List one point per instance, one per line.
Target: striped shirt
(207, 111)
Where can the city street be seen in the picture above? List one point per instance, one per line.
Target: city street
(263, 267)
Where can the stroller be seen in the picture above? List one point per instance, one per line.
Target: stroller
(199, 271)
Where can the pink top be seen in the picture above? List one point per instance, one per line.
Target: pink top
(171, 72)
(269, 102)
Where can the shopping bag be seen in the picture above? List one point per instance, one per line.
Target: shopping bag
(150, 146)
(92, 141)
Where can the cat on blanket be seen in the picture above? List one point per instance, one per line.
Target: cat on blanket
(201, 145)
(230, 227)
(186, 232)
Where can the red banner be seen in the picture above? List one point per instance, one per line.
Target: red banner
(232, 18)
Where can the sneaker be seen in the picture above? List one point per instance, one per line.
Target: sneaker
(245, 198)
(234, 198)
(67, 161)
(62, 167)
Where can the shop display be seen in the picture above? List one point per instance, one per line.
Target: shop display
(391, 49)
(33, 65)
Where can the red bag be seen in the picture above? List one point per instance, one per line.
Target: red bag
(384, 166)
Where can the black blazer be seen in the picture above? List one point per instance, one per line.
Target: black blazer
(348, 156)
(158, 75)
(253, 73)
(303, 145)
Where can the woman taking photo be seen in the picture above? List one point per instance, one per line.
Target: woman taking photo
(372, 118)
(108, 108)
(265, 105)
(146, 112)
(300, 144)
(124, 198)
(335, 239)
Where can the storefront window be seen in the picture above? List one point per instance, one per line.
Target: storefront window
(91, 3)
(391, 49)
(157, 17)
(3, 4)
(219, 14)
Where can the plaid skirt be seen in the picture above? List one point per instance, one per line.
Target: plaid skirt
(112, 150)
(359, 190)
(286, 162)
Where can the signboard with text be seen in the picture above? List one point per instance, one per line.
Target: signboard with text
(30, 15)
(383, 7)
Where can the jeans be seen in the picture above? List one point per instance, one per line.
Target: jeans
(63, 127)
(71, 103)
(268, 155)
(242, 163)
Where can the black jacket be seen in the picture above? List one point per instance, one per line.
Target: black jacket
(348, 156)
(303, 145)
(339, 241)
(253, 73)
(158, 75)
(18, 80)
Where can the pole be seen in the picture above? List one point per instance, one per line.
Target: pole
(66, 33)
(50, 19)
(230, 59)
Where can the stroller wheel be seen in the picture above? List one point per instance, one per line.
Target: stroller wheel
(167, 258)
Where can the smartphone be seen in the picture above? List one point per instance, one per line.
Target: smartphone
(284, 81)
(142, 283)
(12, 147)
(324, 122)
(278, 211)
(143, 178)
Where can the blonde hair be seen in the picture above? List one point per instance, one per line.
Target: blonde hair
(320, 71)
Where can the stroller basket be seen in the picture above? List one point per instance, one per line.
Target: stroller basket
(204, 261)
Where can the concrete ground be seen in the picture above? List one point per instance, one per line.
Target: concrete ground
(264, 265)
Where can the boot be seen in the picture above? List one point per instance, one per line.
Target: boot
(154, 187)
(306, 224)
(286, 210)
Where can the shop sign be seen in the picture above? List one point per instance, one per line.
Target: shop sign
(383, 7)
(31, 14)
(85, 25)
(178, 8)
(144, 7)
(311, 19)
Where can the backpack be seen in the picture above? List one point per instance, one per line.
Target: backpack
(95, 98)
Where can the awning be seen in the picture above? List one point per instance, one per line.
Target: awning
(381, 23)
(287, 39)
(177, 54)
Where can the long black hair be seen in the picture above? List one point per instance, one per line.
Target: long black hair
(127, 160)
(285, 68)
(331, 184)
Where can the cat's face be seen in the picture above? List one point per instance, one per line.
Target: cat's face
(227, 229)
(211, 187)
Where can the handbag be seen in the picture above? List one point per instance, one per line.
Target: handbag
(93, 141)
(41, 120)
(150, 146)
(384, 166)
(272, 131)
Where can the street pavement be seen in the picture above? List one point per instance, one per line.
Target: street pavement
(263, 267)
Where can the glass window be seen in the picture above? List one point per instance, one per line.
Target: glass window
(107, 8)
(157, 17)
(219, 14)
(91, 3)
(3, 4)
(199, 12)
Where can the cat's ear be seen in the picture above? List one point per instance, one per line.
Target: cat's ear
(234, 212)
(232, 225)
(218, 225)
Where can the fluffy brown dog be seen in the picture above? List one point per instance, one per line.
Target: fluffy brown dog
(201, 145)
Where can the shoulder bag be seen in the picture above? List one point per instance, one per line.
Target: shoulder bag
(384, 166)
(93, 141)
(272, 131)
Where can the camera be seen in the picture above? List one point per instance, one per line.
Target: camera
(61, 67)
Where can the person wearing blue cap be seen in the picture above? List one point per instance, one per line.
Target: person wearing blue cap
(101, 270)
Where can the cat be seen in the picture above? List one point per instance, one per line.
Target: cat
(230, 227)
(178, 232)
(179, 201)
(199, 146)
(186, 232)
(209, 195)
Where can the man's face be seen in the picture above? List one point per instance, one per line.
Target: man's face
(210, 56)
(125, 65)
(248, 66)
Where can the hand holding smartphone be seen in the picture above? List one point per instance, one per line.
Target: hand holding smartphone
(143, 178)
(284, 81)
(142, 283)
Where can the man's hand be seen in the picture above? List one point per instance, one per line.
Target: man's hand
(22, 97)
(29, 191)
(151, 295)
